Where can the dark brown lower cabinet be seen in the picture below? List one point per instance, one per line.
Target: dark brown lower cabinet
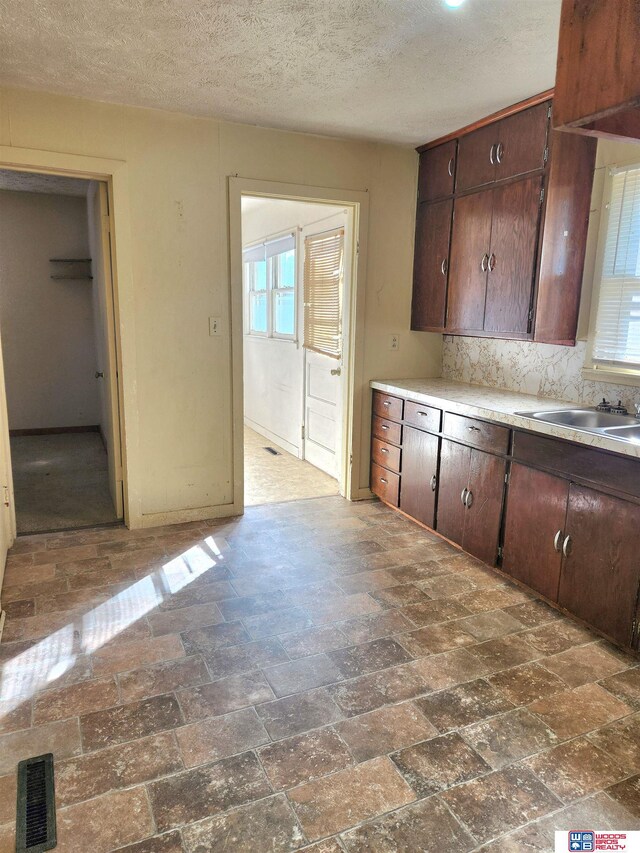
(470, 499)
(601, 567)
(534, 528)
(419, 475)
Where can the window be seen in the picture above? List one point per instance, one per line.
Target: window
(270, 287)
(616, 338)
(323, 275)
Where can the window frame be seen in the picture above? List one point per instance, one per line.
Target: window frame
(272, 289)
(595, 370)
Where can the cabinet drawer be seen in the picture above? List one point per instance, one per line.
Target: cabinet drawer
(387, 430)
(424, 417)
(386, 406)
(386, 455)
(385, 484)
(479, 434)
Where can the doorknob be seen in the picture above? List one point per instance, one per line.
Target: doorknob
(99, 374)
(336, 371)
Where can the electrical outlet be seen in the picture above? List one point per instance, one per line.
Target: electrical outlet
(394, 342)
(215, 327)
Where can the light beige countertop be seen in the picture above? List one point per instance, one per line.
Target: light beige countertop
(494, 404)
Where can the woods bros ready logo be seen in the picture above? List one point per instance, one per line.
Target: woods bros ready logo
(590, 840)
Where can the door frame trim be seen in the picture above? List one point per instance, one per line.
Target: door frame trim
(115, 174)
(357, 202)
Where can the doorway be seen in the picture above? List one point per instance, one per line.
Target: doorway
(60, 377)
(296, 282)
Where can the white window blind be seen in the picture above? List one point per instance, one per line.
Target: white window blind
(617, 334)
(323, 274)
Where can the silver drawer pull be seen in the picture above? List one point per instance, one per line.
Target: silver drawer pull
(384, 426)
(434, 483)
(463, 496)
(423, 414)
(484, 263)
(469, 499)
(383, 450)
(567, 547)
(499, 152)
(556, 541)
(474, 429)
(382, 480)
(444, 266)
(386, 402)
(492, 154)
(450, 167)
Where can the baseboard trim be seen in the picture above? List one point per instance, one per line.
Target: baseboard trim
(54, 430)
(271, 436)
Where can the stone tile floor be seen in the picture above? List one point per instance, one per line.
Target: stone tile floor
(317, 676)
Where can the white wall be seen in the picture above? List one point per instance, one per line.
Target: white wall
(46, 325)
(274, 368)
(178, 437)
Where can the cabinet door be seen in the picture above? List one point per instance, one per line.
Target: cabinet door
(431, 265)
(514, 238)
(454, 479)
(521, 140)
(534, 528)
(476, 158)
(484, 506)
(419, 475)
(601, 570)
(437, 170)
(470, 247)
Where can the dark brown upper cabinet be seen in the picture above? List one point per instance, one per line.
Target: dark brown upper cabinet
(598, 72)
(431, 266)
(517, 242)
(470, 249)
(437, 171)
(512, 258)
(505, 149)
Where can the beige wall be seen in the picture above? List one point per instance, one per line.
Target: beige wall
(177, 170)
(47, 326)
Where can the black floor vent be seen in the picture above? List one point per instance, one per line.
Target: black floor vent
(36, 817)
(272, 451)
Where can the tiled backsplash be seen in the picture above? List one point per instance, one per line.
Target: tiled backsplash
(541, 369)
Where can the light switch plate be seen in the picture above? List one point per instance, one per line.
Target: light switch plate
(215, 327)
(394, 342)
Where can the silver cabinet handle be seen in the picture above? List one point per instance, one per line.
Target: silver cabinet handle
(423, 414)
(492, 154)
(386, 402)
(566, 546)
(484, 262)
(556, 541)
(499, 152)
(444, 266)
(382, 480)
(463, 496)
(384, 426)
(474, 429)
(450, 167)
(492, 262)
(434, 483)
(469, 499)
(383, 450)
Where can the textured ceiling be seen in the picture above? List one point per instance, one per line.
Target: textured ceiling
(397, 70)
(29, 182)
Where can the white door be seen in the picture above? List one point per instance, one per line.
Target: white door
(106, 345)
(323, 286)
(323, 416)
(7, 511)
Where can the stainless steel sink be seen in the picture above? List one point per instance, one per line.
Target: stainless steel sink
(626, 433)
(623, 427)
